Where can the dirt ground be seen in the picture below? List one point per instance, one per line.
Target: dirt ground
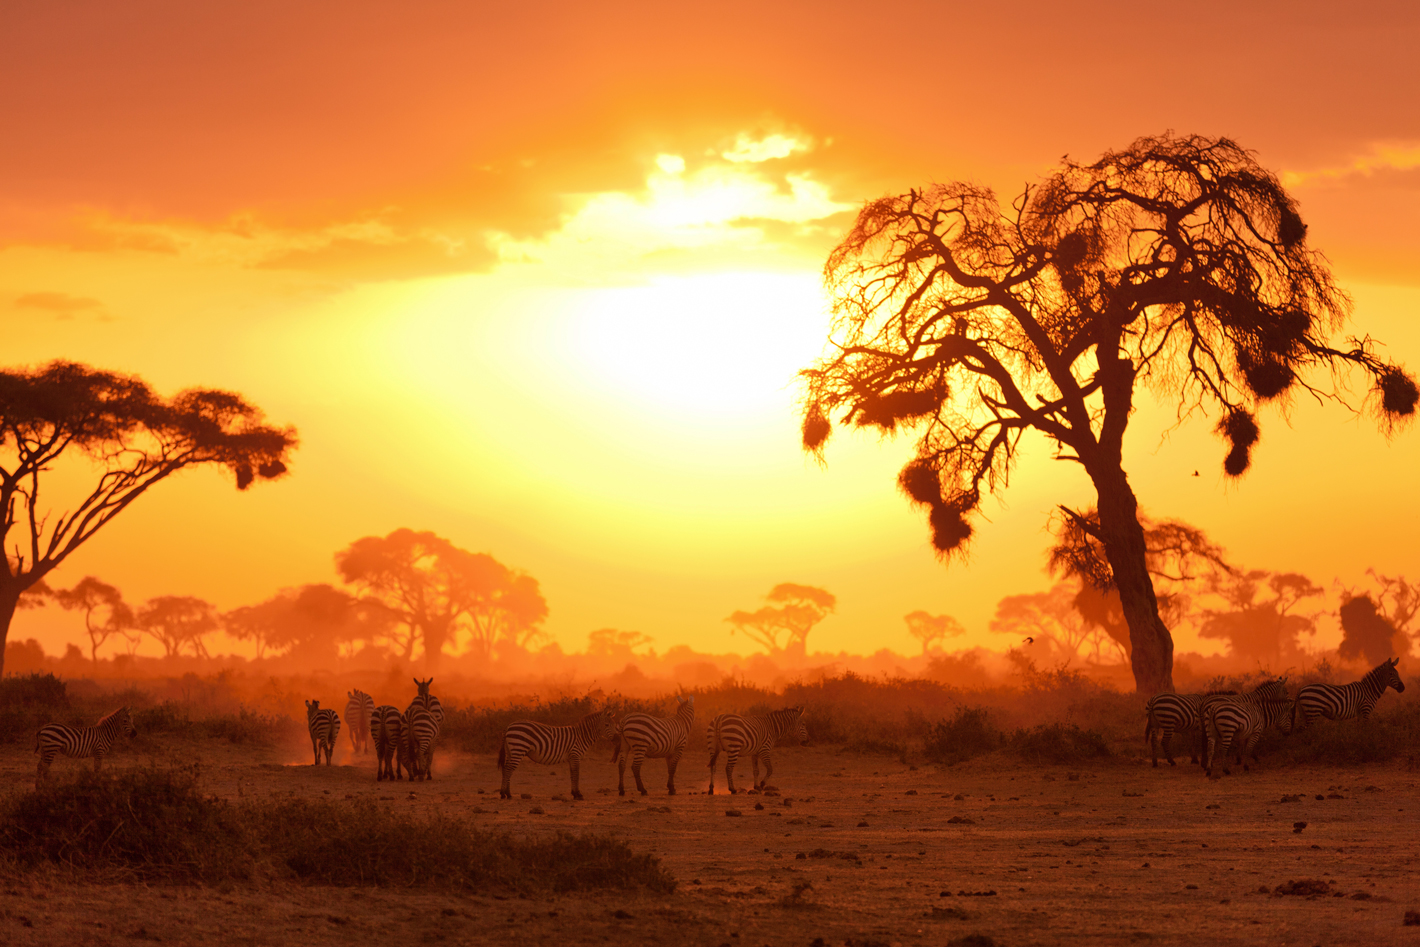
(855, 850)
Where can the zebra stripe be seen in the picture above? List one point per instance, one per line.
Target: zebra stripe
(642, 737)
(421, 731)
(1340, 702)
(81, 742)
(735, 734)
(542, 743)
(387, 729)
(357, 717)
(324, 726)
(1238, 722)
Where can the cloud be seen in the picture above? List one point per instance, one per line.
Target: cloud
(1379, 160)
(61, 305)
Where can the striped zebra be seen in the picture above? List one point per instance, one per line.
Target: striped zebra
(1238, 722)
(423, 761)
(546, 744)
(1275, 689)
(1179, 713)
(387, 729)
(735, 734)
(428, 701)
(325, 727)
(421, 730)
(80, 742)
(357, 717)
(642, 737)
(1341, 702)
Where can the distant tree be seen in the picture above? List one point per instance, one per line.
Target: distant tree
(614, 643)
(435, 590)
(803, 607)
(1049, 623)
(1261, 619)
(1178, 264)
(178, 622)
(105, 612)
(116, 424)
(310, 621)
(1398, 600)
(1366, 633)
(930, 628)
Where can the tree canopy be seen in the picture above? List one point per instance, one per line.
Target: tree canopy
(309, 622)
(1178, 263)
(928, 628)
(437, 592)
(128, 435)
(177, 622)
(106, 614)
(792, 614)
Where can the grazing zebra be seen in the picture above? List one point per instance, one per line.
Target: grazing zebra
(325, 727)
(1340, 702)
(1239, 722)
(80, 742)
(735, 734)
(387, 729)
(641, 736)
(357, 717)
(546, 744)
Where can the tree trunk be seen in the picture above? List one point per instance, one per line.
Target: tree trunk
(1151, 654)
(9, 600)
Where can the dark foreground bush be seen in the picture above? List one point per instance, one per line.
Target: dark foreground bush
(156, 825)
(245, 727)
(966, 736)
(1058, 743)
(35, 691)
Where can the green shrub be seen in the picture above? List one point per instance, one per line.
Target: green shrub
(967, 735)
(157, 825)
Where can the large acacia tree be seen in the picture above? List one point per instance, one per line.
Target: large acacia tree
(1178, 264)
(65, 415)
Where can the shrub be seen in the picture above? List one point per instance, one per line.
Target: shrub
(1058, 743)
(1385, 736)
(33, 692)
(967, 735)
(245, 727)
(156, 825)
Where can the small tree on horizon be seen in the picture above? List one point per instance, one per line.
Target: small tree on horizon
(801, 608)
(71, 413)
(179, 621)
(929, 628)
(92, 595)
(1178, 264)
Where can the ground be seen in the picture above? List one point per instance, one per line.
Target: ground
(854, 849)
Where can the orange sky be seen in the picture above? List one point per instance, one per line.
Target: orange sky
(538, 276)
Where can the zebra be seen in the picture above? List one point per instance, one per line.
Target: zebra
(357, 717)
(325, 727)
(421, 730)
(735, 734)
(1275, 689)
(423, 761)
(387, 728)
(545, 744)
(1341, 702)
(1171, 713)
(1240, 722)
(79, 742)
(640, 736)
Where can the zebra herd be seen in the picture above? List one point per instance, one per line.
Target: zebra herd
(1228, 721)
(403, 741)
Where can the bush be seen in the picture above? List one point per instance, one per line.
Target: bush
(1385, 736)
(245, 727)
(156, 825)
(1058, 743)
(33, 692)
(966, 736)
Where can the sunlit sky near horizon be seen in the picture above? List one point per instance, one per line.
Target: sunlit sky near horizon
(539, 277)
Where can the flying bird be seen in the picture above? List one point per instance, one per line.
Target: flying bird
(1030, 640)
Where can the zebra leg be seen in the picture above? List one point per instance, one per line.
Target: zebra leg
(638, 756)
(731, 758)
(672, 762)
(768, 770)
(1164, 735)
(510, 763)
(714, 755)
(574, 764)
(621, 771)
(1154, 746)
(754, 770)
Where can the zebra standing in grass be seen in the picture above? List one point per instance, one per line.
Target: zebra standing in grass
(1239, 722)
(357, 717)
(641, 736)
(1275, 689)
(546, 744)
(80, 742)
(387, 730)
(421, 730)
(1340, 702)
(325, 727)
(735, 734)
(1179, 713)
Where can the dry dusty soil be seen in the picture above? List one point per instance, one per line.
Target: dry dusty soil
(855, 850)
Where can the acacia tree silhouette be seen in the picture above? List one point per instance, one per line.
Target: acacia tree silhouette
(1178, 263)
(928, 628)
(68, 411)
(435, 589)
(309, 622)
(803, 607)
(92, 595)
(178, 621)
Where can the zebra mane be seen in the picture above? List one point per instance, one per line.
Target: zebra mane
(1378, 674)
(111, 715)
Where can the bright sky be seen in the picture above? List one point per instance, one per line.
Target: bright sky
(538, 277)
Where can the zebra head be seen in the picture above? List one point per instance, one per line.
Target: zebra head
(1391, 676)
(423, 686)
(311, 707)
(602, 723)
(796, 728)
(125, 718)
(685, 707)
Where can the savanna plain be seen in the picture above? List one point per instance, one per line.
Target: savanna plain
(1043, 835)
